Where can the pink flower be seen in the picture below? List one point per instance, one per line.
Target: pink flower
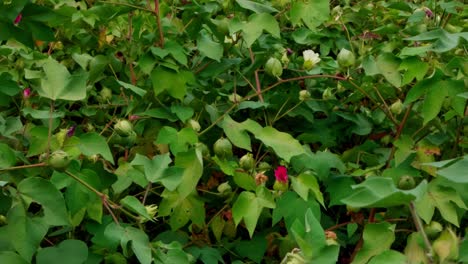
(26, 93)
(134, 117)
(18, 19)
(428, 12)
(281, 174)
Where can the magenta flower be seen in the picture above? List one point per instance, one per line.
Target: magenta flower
(27, 93)
(18, 19)
(134, 117)
(281, 174)
(428, 12)
(71, 131)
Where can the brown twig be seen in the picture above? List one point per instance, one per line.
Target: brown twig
(398, 133)
(157, 13)
(27, 166)
(257, 78)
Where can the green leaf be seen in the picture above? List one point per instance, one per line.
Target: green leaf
(339, 187)
(58, 83)
(254, 28)
(75, 251)
(237, 132)
(378, 237)
(208, 47)
(389, 256)
(133, 88)
(154, 168)
(445, 199)
(139, 241)
(93, 143)
(310, 237)
(184, 113)
(305, 182)
(207, 255)
(456, 171)
(135, 205)
(256, 7)
(245, 181)
(291, 207)
(11, 257)
(7, 156)
(192, 162)
(433, 101)
(247, 207)
(28, 232)
(172, 82)
(190, 208)
(370, 66)
(320, 162)
(413, 68)
(388, 66)
(382, 192)
(284, 145)
(45, 193)
(443, 41)
(311, 13)
(361, 125)
(253, 249)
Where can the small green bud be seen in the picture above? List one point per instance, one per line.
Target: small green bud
(235, 98)
(274, 67)
(224, 188)
(193, 124)
(247, 162)
(345, 58)
(433, 228)
(59, 160)
(123, 127)
(223, 148)
(397, 107)
(328, 94)
(406, 182)
(304, 95)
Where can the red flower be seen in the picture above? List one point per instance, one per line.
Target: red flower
(18, 19)
(281, 174)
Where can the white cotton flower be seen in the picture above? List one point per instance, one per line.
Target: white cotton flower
(310, 59)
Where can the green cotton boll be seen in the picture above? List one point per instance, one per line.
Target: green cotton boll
(123, 127)
(346, 58)
(274, 67)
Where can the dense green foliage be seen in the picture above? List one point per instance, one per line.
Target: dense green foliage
(233, 131)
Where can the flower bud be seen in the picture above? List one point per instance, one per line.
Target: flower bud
(123, 127)
(224, 188)
(433, 228)
(274, 67)
(247, 162)
(304, 95)
(18, 19)
(446, 246)
(27, 93)
(105, 95)
(327, 94)
(406, 182)
(345, 58)
(59, 160)
(263, 166)
(235, 98)
(193, 124)
(397, 107)
(223, 148)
